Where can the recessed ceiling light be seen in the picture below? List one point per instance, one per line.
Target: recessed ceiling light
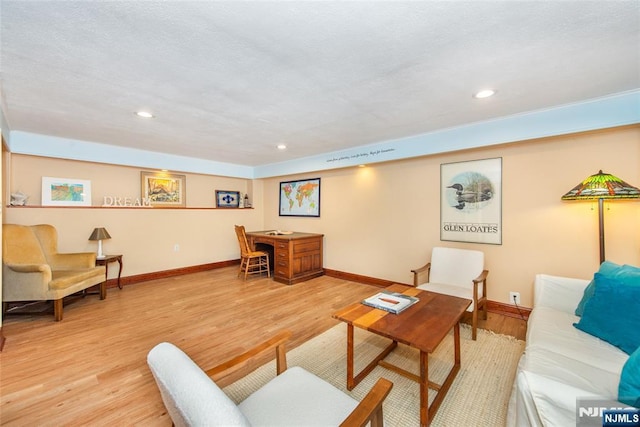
(484, 93)
(281, 147)
(144, 114)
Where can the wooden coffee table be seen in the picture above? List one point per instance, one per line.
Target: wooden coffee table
(423, 326)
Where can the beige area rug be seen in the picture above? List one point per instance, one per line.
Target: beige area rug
(478, 396)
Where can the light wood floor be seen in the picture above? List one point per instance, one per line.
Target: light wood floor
(90, 369)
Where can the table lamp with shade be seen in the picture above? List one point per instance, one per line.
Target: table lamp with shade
(99, 234)
(599, 187)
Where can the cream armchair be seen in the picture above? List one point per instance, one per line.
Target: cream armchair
(295, 397)
(459, 273)
(33, 270)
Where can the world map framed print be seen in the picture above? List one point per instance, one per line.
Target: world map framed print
(471, 201)
(300, 198)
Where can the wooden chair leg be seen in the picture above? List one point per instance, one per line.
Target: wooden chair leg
(57, 309)
(103, 290)
(267, 261)
(242, 264)
(474, 323)
(378, 418)
(255, 265)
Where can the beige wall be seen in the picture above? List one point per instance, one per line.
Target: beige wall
(379, 221)
(383, 220)
(145, 236)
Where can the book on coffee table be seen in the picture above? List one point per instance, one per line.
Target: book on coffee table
(393, 302)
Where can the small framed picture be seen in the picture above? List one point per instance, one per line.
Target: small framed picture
(65, 192)
(163, 189)
(227, 199)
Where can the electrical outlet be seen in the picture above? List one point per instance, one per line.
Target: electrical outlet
(514, 297)
(176, 248)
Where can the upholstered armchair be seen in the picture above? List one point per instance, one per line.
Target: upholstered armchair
(295, 397)
(459, 273)
(34, 270)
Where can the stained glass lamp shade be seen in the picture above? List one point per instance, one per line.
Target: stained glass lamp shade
(599, 187)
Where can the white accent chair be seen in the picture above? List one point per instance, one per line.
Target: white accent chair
(294, 397)
(459, 273)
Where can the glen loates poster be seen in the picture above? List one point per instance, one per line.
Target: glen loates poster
(471, 201)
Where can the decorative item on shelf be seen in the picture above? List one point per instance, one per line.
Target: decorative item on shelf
(247, 204)
(241, 201)
(227, 199)
(599, 187)
(65, 192)
(163, 189)
(18, 199)
(109, 201)
(100, 234)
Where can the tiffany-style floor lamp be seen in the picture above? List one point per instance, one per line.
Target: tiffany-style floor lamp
(599, 187)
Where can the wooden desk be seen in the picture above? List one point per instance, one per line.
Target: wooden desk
(423, 326)
(296, 257)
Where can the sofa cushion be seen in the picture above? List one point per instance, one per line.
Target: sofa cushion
(552, 401)
(559, 293)
(612, 313)
(555, 349)
(607, 268)
(64, 279)
(297, 398)
(629, 388)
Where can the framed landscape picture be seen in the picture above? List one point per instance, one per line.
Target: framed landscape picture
(65, 192)
(471, 201)
(227, 199)
(300, 198)
(163, 189)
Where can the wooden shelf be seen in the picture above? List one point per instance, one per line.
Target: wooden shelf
(125, 207)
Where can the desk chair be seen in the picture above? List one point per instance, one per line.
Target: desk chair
(459, 273)
(251, 261)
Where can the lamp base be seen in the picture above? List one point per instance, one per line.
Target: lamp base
(100, 254)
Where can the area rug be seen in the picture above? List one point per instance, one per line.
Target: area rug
(478, 396)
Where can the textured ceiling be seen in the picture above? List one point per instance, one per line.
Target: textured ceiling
(228, 81)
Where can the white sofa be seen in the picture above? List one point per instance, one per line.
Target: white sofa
(561, 363)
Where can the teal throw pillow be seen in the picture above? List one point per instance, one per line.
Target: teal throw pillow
(612, 313)
(607, 268)
(629, 387)
(629, 275)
